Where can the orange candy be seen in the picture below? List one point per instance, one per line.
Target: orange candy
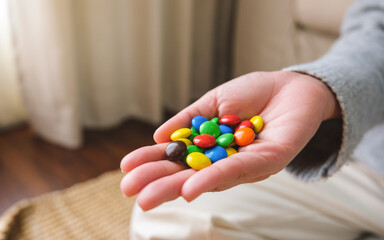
(244, 136)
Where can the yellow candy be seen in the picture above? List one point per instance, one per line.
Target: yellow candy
(257, 122)
(233, 143)
(230, 151)
(181, 133)
(186, 141)
(198, 161)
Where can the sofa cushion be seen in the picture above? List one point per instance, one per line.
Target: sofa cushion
(320, 15)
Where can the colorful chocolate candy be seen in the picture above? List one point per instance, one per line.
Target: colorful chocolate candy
(208, 141)
(245, 123)
(230, 120)
(175, 151)
(258, 123)
(198, 161)
(244, 136)
(181, 133)
(210, 128)
(225, 139)
(216, 153)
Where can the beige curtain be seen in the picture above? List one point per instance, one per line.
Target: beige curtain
(94, 63)
(11, 106)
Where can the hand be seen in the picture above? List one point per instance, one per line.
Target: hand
(292, 105)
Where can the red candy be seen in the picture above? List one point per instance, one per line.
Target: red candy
(244, 136)
(204, 141)
(230, 120)
(245, 123)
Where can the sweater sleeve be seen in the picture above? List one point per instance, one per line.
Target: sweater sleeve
(354, 70)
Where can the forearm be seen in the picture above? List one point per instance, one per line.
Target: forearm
(354, 71)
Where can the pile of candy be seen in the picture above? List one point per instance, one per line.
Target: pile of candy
(209, 141)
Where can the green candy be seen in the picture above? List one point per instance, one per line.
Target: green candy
(194, 131)
(215, 120)
(184, 160)
(191, 149)
(224, 140)
(193, 134)
(210, 128)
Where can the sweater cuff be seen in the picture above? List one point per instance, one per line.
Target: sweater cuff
(333, 144)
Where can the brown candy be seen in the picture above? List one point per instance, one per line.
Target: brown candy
(175, 151)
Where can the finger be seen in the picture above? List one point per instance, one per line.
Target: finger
(143, 155)
(239, 168)
(205, 106)
(222, 188)
(163, 190)
(139, 177)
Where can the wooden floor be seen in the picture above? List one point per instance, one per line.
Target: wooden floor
(29, 166)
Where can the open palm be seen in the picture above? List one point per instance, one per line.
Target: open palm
(292, 105)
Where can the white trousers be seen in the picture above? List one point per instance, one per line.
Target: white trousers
(281, 207)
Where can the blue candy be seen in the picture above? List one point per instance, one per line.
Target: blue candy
(225, 129)
(198, 120)
(216, 153)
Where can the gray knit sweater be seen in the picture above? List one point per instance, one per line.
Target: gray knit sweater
(354, 69)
